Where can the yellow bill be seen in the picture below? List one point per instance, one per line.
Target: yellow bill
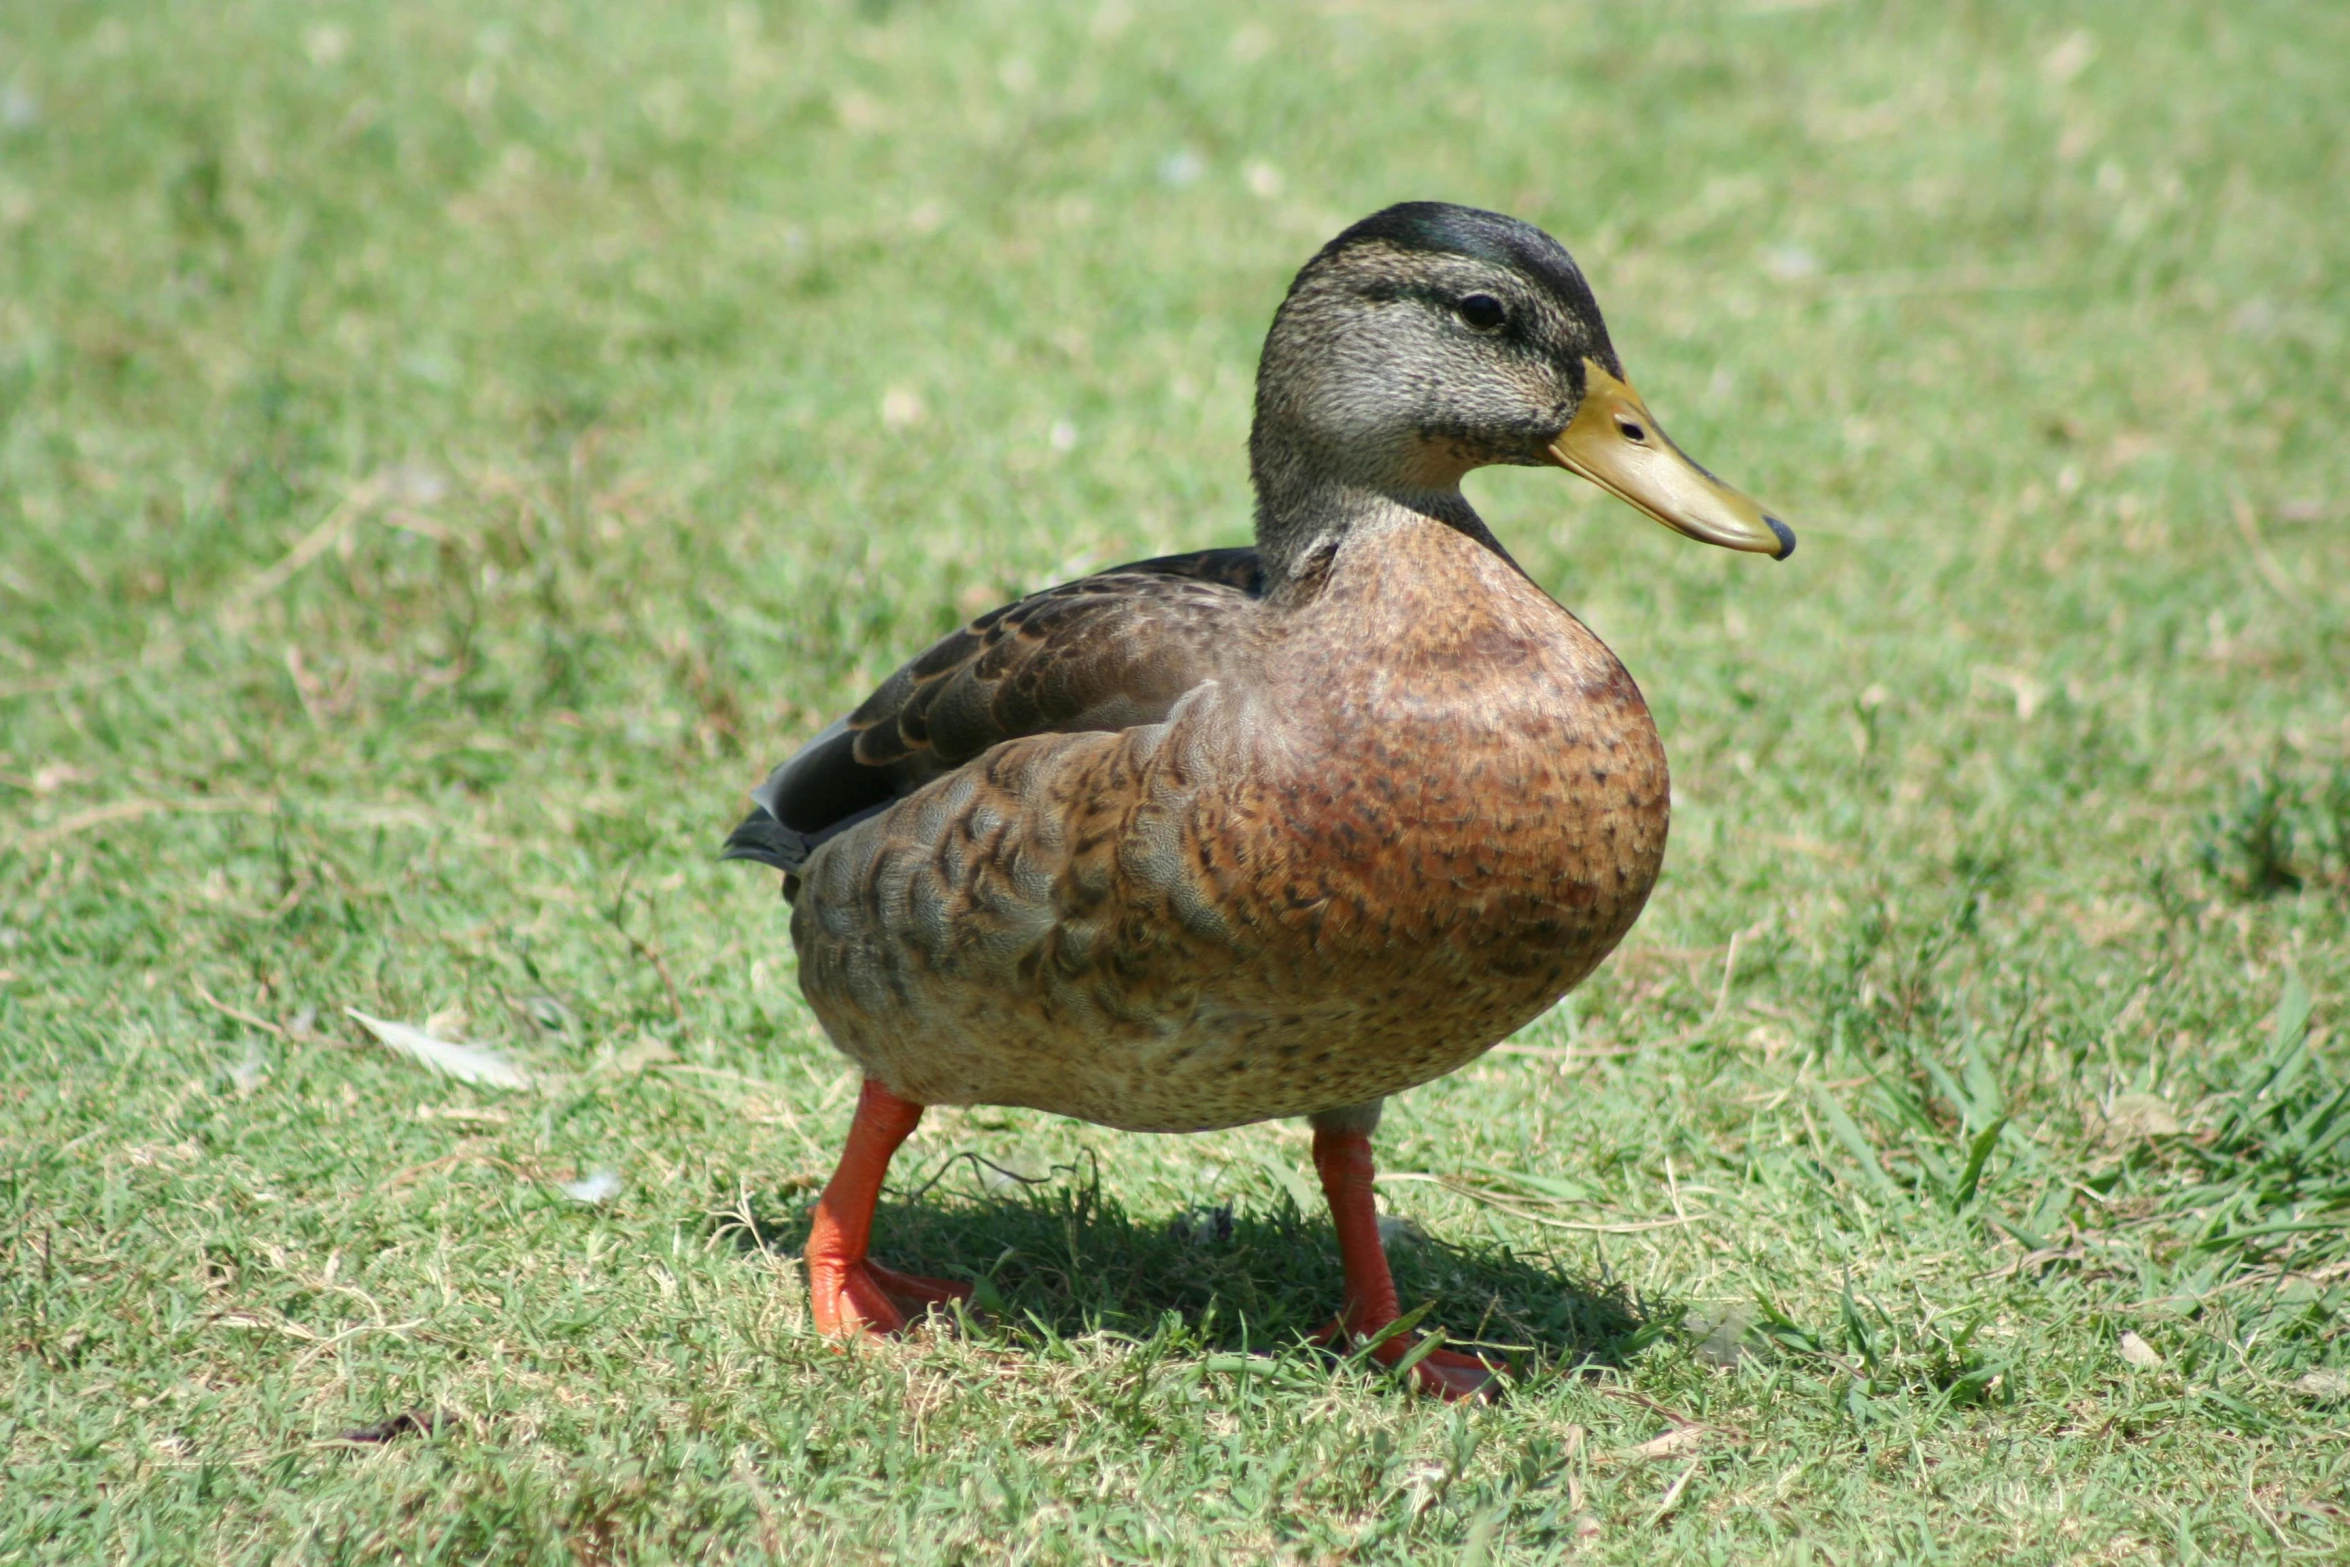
(1615, 443)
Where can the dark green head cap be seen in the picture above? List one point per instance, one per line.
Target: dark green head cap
(1442, 228)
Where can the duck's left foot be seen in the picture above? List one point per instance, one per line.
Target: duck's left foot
(848, 1302)
(851, 1294)
(914, 1293)
(851, 1299)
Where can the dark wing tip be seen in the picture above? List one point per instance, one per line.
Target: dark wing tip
(763, 839)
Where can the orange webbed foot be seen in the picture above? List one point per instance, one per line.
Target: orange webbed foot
(1449, 1374)
(849, 1294)
(1342, 1153)
(913, 1292)
(863, 1297)
(848, 1302)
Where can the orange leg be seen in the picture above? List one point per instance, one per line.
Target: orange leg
(1344, 1159)
(849, 1293)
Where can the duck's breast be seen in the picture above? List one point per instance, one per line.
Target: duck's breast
(1471, 793)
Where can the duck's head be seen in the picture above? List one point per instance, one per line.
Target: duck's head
(1430, 339)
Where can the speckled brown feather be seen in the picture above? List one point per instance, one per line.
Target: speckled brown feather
(1103, 652)
(1413, 804)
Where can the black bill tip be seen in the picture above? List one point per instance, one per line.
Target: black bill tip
(1784, 534)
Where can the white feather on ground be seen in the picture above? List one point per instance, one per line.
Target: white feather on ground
(466, 1063)
(596, 1186)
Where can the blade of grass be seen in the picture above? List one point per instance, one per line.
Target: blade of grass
(1849, 1134)
(1977, 1156)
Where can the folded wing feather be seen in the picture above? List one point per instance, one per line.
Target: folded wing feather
(1105, 652)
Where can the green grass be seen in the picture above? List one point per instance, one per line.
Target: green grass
(444, 461)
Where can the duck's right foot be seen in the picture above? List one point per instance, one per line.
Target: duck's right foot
(1448, 1374)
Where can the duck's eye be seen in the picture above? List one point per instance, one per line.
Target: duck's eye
(1482, 311)
(1632, 432)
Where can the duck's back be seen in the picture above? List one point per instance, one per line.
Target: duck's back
(1414, 804)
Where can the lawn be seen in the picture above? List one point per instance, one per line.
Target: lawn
(448, 452)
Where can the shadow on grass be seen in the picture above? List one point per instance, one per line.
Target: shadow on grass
(1065, 1258)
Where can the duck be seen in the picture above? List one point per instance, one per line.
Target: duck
(1259, 832)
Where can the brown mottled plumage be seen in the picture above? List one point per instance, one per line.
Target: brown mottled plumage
(1274, 832)
(1385, 827)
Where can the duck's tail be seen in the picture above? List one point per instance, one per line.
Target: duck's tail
(762, 838)
(815, 796)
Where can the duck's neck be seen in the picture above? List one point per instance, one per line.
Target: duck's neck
(1308, 505)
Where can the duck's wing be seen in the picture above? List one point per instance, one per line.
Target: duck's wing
(1105, 652)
